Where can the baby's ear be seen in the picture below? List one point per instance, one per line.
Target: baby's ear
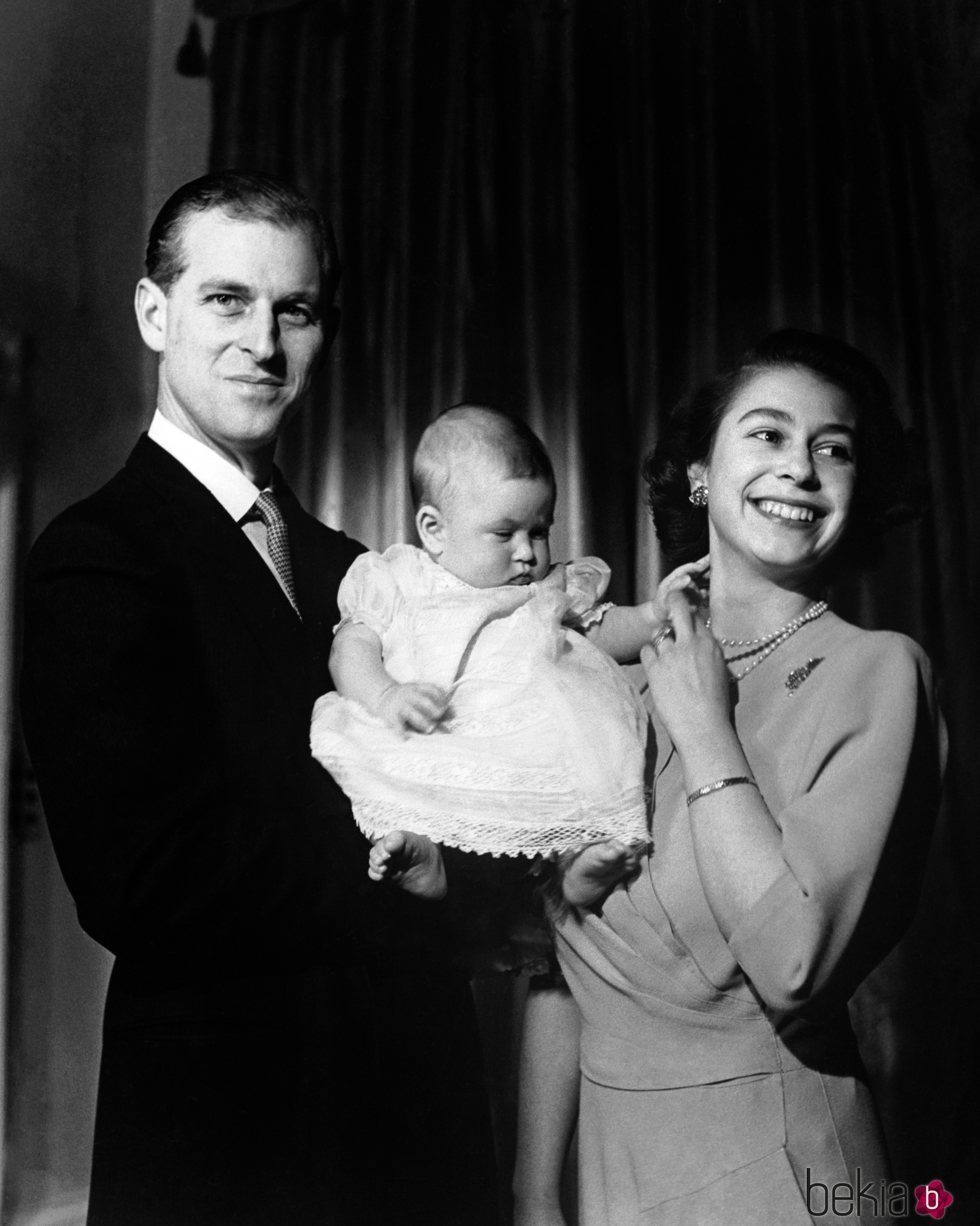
(431, 528)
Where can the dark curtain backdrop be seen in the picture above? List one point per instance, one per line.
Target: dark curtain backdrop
(576, 208)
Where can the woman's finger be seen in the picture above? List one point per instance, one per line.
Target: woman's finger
(665, 632)
(700, 567)
(685, 577)
(681, 614)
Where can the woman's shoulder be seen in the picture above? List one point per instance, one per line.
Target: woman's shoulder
(873, 661)
(856, 641)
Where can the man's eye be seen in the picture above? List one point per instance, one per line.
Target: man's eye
(503, 535)
(296, 314)
(225, 303)
(541, 534)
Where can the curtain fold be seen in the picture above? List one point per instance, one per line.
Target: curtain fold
(576, 208)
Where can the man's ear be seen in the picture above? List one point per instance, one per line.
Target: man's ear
(431, 528)
(151, 313)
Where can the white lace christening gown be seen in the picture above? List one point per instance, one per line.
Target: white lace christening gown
(543, 744)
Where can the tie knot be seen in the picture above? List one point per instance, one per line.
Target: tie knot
(267, 509)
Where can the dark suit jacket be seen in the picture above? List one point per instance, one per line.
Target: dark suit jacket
(261, 980)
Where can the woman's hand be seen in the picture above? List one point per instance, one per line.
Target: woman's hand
(689, 681)
(691, 579)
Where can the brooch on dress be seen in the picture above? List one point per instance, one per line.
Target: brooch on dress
(799, 675)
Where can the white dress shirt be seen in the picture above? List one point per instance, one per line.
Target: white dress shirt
(228, 484)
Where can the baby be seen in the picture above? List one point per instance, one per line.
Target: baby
(478, 700)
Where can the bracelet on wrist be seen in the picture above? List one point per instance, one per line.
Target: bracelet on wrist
(717, 786)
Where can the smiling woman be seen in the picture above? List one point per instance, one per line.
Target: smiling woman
(796, 762)
(780, 475)
(787, 374)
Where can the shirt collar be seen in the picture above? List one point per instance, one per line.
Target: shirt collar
(235, 492)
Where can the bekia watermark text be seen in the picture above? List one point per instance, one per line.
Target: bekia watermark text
(873, 1198)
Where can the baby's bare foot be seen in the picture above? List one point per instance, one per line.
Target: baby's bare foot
(410, 861)
(596, 869)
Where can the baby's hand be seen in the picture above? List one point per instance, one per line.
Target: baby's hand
(410, 861)
(416, 706)
(590, 874)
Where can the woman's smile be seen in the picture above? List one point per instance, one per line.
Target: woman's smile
(787, 512)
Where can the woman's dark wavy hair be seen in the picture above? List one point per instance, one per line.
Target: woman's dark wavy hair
(889, 486)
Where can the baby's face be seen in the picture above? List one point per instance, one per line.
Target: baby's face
(498, 533)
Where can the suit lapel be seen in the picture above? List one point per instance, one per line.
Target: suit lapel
(215, 547)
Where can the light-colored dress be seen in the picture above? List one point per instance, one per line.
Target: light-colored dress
(543, 745)
(721, 1082)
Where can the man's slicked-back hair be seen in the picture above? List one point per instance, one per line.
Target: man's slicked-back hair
(470, 435)
(243, 195)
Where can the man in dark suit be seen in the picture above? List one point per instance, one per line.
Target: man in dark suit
(284, 1041)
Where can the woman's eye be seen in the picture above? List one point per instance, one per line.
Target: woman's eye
(836, 451)
(503, 536)
(768, 435)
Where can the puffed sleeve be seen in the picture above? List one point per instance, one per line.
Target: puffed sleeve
(855, 837)
(369, 593)
(586, 580)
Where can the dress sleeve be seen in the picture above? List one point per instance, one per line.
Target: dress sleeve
(368, 594)
(586, 580)
(855, 838)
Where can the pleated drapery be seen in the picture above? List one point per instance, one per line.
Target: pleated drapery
(574, 209)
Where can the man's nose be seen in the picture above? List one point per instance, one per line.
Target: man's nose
(260, 333)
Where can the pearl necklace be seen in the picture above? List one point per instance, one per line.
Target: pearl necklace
(769, 643)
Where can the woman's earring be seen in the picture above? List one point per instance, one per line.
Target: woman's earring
(699, 496)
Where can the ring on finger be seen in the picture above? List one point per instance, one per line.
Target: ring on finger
(664, 633)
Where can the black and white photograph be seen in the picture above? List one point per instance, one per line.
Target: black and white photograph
(489, 565)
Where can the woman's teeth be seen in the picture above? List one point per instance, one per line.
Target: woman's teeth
(783, 510)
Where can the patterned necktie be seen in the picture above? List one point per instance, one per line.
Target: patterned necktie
(277, 537)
